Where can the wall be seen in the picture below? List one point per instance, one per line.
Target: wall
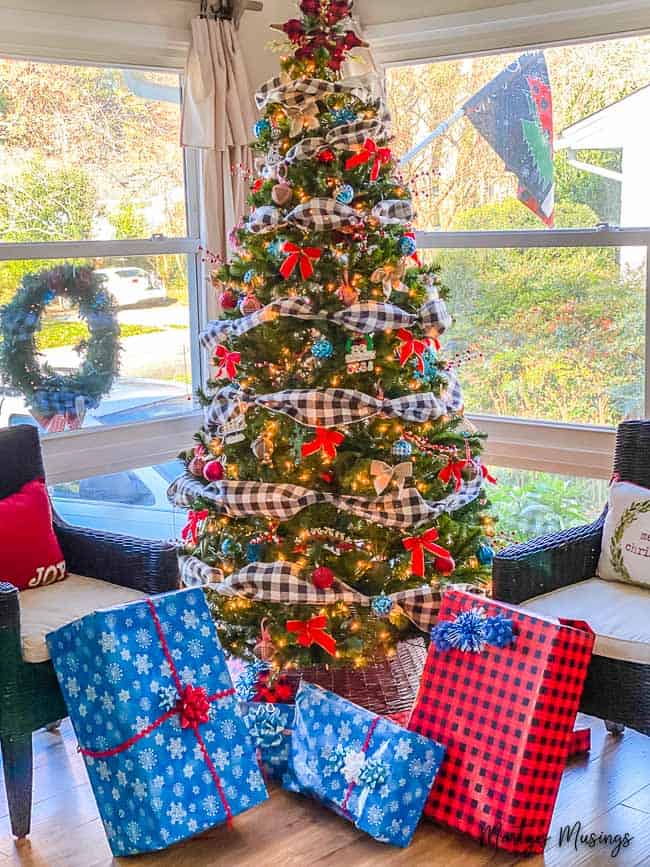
(138, 32)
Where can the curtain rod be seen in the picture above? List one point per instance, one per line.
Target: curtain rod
(226, 8)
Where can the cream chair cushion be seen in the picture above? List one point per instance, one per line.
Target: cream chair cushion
(618, 613)
(47, 608)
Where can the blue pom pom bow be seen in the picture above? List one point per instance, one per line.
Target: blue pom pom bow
(470, 631)
(267, 724)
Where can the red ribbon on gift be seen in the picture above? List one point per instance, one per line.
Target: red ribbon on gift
(304, 257)
(191, 530)
(313, 632)
(411, 346)
(325, 440)
(453, 470)
(368, 152)
(227, 362)
(417, 545)
(192, 707)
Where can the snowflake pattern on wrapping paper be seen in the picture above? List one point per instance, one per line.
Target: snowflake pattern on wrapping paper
(383, 788)
(270, 726)
(116, 680)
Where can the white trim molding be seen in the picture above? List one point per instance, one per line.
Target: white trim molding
(499, 28)
(149, 33)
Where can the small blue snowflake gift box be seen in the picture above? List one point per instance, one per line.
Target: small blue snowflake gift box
(157, 720)
(270, 727)
(363, 766)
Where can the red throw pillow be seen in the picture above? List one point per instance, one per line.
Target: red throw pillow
(30, 554)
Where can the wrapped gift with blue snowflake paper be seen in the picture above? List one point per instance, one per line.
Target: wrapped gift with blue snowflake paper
(269, 726)
(363, 766)
(157, 719)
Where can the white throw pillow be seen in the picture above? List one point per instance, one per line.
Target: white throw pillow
(625, 549)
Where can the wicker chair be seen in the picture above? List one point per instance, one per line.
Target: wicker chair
(616, 690)
(30, 696)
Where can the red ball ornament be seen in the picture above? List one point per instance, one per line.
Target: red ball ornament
(228, 300)
(326, 156)
(444, 565)
(327, 477)
(322, 578)
(213, 471)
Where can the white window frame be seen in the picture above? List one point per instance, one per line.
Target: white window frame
(78, 454)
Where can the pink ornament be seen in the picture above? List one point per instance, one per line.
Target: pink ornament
(282, 193)
(213, 471)
(196, 465)
(249, 304)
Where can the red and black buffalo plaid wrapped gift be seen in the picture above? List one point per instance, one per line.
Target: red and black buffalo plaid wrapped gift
(500, 690)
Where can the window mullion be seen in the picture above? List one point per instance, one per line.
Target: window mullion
(49, 250)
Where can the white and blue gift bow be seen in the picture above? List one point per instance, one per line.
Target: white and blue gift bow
(472, 630)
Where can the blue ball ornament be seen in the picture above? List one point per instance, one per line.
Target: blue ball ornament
(343, 115)
(248, 276)
(227, 546)
(381, 605)
(344, 194)
(485, 554)
(407, 245)
(260, 127)
(322, 348)
(255, 551)
(402, 448)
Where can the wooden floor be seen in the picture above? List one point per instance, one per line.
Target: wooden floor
(608, 791)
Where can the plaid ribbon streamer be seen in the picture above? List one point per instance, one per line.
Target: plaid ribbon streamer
(299, 91)
(264, 219)
(321, 214)
(196, 573)
(343, 137)
(281, 582)
(334, 407)
(240, 499)
(365, 317)
(393, 211)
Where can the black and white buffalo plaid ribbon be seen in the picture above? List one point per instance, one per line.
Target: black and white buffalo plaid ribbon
(282, 582)
(322, 213)
(319, 214)
(334, 407)
(391, 211)
(344, 137)
(196, 573)
(365, 318)
(241, 499)
(296, 92)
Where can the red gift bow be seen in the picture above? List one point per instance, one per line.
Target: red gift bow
(191, 529)
(368, 152)
(302, 256)
(325, 440)
(193, 708)
(411, 346)
(417, 545)
(453, 470)
(313, 632)
(227, 362)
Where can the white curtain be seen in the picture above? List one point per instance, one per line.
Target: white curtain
(218, 115)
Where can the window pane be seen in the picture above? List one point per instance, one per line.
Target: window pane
(561, 331)
(133, 502)
(531, 504)
(600, 99)
(155, 374)
(89, 153)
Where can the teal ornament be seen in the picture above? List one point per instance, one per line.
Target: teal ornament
(227, 546)
(343, 115)
(248, 276)
(402, 448)
(485, 554)
(344, 194)
(407, 245)
(322, 348)
(381, 605)
(275, 247)
(255, 551)
(430, 364)
(260, 127)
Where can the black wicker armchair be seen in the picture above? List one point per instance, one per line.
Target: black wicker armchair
(618, 691)
(30, 696)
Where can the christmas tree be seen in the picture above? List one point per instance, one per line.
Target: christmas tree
(335, 486)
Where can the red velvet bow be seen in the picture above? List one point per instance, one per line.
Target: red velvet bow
(190, 530)
(487, 475)
(453, 470)
(325, 440)
(193, 707)
(227, 362)
(302, 256)
(411, 346)
(417, 545)
(368, 152)
(313, 632)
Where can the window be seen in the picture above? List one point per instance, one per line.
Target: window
(91, 173)
(550, 303)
